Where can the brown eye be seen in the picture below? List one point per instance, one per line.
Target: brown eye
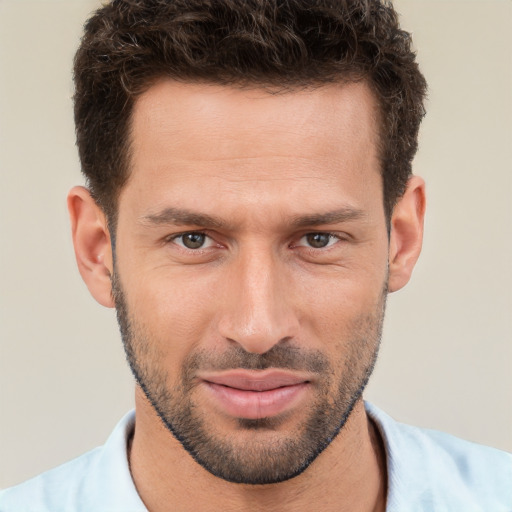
(318, 240)
(191, 240)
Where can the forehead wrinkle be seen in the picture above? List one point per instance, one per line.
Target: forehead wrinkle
(234, 178)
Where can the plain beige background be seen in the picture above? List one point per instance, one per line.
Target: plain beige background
(447, 351)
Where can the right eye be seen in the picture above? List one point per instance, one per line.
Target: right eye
(193, 240)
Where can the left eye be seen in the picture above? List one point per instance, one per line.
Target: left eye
(193, 240)
(318, 240)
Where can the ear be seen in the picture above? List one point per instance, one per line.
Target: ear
(91, 239)
(406, 233)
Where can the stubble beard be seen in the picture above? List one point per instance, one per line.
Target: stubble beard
(265, 454)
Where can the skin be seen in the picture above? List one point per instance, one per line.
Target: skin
(256, 162)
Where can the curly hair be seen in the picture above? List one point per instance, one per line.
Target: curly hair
(275, 44)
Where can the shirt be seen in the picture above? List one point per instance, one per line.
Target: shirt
(428, 471)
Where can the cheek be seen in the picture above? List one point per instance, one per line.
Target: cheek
(343, 295)
(345, 312)
(174, 312)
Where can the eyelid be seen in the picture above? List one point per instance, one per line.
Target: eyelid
(337, 236)
(209, 241)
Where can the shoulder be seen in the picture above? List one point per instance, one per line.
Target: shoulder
(53, 490)
(430, 470)
(99, 480)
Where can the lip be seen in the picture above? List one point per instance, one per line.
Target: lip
(256, 394)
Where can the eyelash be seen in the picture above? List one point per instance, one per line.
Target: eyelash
(173, 238)
(332, 236)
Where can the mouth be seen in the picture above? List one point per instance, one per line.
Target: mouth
(256, 394)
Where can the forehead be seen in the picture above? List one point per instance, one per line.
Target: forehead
(191, 140)
(247, 121)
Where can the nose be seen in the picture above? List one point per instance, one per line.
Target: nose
(257, 312)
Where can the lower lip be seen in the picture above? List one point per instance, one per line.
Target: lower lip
(254, 405)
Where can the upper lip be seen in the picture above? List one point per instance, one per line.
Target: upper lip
(255, 380)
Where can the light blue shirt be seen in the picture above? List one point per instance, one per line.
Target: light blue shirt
(428, 471)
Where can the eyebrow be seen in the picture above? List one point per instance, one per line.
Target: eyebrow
(183, 217)
(333, 217)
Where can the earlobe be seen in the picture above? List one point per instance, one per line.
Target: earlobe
(91, 240)
(406, 235)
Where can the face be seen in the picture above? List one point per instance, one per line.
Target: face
(251, 269)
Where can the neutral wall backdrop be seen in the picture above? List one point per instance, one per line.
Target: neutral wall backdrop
(446, 356)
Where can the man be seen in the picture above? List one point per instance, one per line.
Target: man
(250, 204)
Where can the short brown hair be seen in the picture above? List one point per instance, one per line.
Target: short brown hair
(129, 44)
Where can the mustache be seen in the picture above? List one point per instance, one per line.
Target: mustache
(281, 355)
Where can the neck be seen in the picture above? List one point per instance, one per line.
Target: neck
(348, 475)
